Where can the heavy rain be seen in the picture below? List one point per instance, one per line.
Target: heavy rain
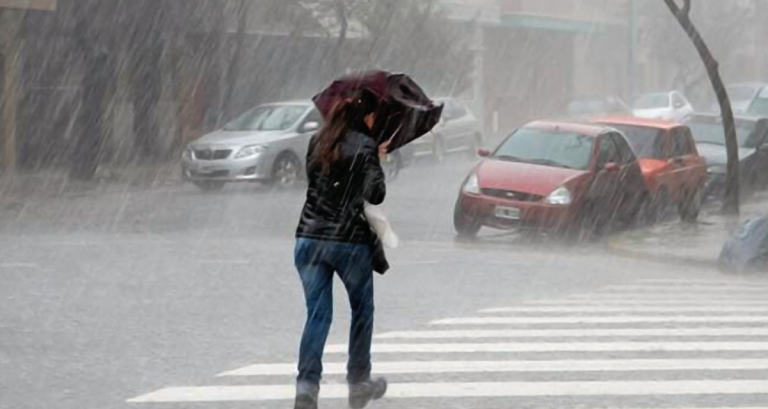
(559, 203)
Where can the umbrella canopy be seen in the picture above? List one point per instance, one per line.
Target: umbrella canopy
(404, 114)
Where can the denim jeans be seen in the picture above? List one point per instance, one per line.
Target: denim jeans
(316, 262)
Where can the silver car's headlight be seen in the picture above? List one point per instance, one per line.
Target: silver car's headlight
(188, 153)
(251, 150)
(472, 185)
(560, 196)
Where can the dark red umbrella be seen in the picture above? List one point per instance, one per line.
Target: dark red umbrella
(405, 112)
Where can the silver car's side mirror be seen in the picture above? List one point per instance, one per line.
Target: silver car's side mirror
(310, 127)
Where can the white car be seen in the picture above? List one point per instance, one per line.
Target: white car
(671, 106)
(267, 144)
(458, 131)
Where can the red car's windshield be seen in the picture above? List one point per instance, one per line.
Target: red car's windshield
(548, 148)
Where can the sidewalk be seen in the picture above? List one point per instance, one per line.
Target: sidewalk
(681, 243)
(25, 187)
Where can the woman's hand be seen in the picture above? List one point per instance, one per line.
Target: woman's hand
(383, 150)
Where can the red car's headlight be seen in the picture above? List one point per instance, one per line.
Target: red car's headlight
(472, 185)
(560, 196)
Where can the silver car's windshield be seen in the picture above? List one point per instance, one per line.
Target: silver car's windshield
(742, 93)
(268, 118)
(711, 131)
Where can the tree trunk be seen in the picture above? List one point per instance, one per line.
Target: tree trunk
(147, 89)
(731, 200)
(233, 71)
(144, 56)
(98, 77)
(341, 14)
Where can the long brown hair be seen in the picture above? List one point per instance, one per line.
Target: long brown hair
(347, 113)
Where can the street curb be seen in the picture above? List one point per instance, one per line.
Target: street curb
(615, 247)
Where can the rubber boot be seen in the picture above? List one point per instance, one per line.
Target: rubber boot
(361, 394)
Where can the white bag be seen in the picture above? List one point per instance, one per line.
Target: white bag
(380, 225)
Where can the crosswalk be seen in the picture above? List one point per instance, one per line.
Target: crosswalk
(675, 343)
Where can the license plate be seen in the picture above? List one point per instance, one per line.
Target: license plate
(509, 213)
(207, 169)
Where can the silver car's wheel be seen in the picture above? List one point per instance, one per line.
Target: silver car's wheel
(286, 171)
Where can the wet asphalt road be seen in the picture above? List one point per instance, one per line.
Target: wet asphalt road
(112, 296)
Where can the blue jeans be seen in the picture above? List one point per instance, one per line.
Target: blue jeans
(316, 262)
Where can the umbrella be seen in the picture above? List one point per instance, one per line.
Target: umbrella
(405, 113)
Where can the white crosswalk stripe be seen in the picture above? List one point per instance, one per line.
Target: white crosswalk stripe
(697, 288)
(628, 309)
(618, 319)
(468, 389)
(641, 301)
(559, 347)
(657, 338)
(580, 333)
(409, 367)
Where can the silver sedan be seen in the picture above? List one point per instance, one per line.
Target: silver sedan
(266, 144)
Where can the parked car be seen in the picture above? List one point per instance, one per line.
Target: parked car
(759, 105)
(671, 165)
(752, 135)
(662, 105)
(556, 177)
(587, 107)
(741, 96)
(268, 143)
(458, 131)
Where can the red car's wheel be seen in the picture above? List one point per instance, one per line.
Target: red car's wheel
(690, 206)
(658, 209)
(466, 226)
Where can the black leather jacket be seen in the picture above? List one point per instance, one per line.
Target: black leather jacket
(333, 210)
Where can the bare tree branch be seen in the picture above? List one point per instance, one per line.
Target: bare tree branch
(687, 8)
(731, 200)
(677, 10)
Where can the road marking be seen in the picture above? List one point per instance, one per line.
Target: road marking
(628, 309)
(683, 281)
(705, 302)
(685, 290)
(469, 389)
(578, 333)
(20, 265)
(435, 367)
(418, 262)
(668, 297)
(225, 262)
(562, 347)
(619, 319)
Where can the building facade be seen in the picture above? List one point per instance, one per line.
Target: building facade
(535, 55)
(11, 16)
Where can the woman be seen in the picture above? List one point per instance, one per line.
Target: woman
(344, 171)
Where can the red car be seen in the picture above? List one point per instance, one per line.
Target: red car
(671, 165)
(557, 177)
